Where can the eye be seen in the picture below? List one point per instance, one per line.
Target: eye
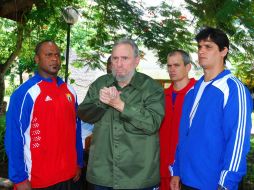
(114, 59)
(49, 54)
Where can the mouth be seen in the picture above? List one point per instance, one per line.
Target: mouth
(201, 58)
(55, 66)
(119, 72)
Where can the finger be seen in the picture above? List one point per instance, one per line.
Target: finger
(103, 91)
(104, 99)
(104, 94)
(76, 178)
(113, 91)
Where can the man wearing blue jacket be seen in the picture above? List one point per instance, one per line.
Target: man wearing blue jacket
(215, 126)
(43, 135)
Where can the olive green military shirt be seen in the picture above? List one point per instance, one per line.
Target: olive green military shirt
(124, 152)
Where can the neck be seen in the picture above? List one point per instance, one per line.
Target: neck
(47, 75)
(178, 85)
(211, 74)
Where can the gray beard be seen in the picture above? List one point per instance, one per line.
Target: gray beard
(125, 78)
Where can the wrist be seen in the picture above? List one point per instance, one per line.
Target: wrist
(119, 106)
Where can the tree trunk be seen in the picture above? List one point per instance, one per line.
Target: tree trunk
(4, 67)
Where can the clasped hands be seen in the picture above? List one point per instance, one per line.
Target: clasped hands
(111, 97)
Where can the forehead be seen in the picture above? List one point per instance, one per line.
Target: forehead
(175, 58)
(48, 46)
(122, 49)
(206, 41)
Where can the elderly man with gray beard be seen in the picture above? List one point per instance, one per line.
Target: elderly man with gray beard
(126, 108)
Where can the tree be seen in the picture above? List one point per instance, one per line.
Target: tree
(34, 21)
(235, 18)
(10, 44)
(104, 21)
(157, 28)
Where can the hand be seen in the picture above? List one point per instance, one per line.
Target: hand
(111, 97)
(25, 185)
(222, 188)
(78, 174)
(175, 183)
(105, 95)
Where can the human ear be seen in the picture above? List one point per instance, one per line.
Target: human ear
(36, 59)
(224, 51)
(188, 67)
(137, 60)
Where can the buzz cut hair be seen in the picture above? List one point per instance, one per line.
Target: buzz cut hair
(185, 56)
(38, 46)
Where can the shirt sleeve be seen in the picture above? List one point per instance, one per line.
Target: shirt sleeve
(236, 128)
(174, 168)
(17, 122)
(92, 109)
(145, 118)
(79, 146)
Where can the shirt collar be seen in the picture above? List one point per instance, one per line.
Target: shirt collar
(58, 80)
(135, 81)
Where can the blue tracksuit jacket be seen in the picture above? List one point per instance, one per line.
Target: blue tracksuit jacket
(213, 149)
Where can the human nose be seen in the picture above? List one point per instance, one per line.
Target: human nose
(201, 50)
(171, 69)
(55, 57)
(119, 62)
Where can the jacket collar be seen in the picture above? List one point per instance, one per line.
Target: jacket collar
(219, 76)
(182, 91)
(136, 82)
(58, 80)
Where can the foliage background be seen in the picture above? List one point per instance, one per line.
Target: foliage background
(161, 28)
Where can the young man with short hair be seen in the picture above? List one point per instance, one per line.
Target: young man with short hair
(215, 126)
(179, 66)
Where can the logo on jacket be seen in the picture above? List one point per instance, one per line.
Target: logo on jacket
(48, 98)
(69, 97)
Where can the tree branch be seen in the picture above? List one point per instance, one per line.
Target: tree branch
(15, 53)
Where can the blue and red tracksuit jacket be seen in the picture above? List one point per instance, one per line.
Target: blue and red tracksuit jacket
(43, 134)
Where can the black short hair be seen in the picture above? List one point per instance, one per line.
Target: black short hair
(38, 46)
(217, 36)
